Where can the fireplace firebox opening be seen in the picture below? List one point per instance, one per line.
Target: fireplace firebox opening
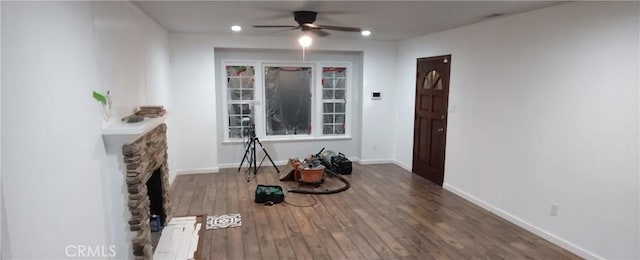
(155, 193)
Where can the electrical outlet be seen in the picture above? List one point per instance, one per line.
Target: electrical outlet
(554, 209)
(375, 147)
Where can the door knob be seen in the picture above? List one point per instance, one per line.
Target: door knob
(440, 129)
(442, 117)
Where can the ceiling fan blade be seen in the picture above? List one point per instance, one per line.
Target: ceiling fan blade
(340, 28)
(309, 26)
(274, 26)
(319, 32)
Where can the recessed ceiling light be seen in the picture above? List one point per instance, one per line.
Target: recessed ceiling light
(366, 33)
(236, 28)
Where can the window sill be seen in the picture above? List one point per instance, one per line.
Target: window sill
(289, 139)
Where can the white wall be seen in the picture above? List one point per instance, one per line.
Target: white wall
(131, 52)
(5, 253)
(51, 129)
(195, 139)
(543, 109)
(55, 169)
(3, 219)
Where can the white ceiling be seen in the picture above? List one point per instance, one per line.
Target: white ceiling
(388, 20)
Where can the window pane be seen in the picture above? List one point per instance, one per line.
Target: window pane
(234, 109)
(232, 70)
(246, 109)
(327, 119)
(339, 94)
(233, 83)
(327, 94)
(327, 129)
(327, 108)
(239, 71)
(235, 132)
(247, 94)
(246, 71)
(432, 81)
(247, 82)
(340, 118)
(234, 94)
(288, 100)
(240, 109)
(339, 129)
(327, 83)
(240, 82)
(235, 121)
(339, 107)
(339, 83)
(333, 72)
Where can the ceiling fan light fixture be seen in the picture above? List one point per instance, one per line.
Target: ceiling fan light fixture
(365, 32)
(305, 20)
(236, 28)
(305, 41)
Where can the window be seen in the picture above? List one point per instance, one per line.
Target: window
(290, 100)
(333, 100)
(240, 97)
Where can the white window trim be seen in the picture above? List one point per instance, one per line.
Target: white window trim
(258, 105)
(348, 98)
(225, 88)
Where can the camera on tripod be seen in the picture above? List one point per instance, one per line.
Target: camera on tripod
(248, 127)
(249, 131)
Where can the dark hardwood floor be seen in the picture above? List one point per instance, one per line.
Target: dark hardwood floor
(388, 213)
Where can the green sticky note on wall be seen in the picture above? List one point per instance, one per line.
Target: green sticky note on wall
(100, 98)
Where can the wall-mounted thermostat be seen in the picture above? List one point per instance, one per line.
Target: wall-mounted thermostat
(376, 95)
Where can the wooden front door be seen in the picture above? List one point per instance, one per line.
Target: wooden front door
(430, 128)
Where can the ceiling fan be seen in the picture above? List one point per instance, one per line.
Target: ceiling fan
(305, 21)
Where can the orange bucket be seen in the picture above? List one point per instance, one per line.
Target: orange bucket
(312, 175)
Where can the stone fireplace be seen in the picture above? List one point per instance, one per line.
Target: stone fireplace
(147, 176)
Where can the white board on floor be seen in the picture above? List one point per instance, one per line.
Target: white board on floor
(179, 239)
(195, 237)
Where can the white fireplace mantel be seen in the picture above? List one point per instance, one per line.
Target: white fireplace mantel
(118, 133)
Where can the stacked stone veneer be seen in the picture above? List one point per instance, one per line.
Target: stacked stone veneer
(145, 155)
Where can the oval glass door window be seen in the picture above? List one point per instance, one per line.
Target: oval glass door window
(432, 81)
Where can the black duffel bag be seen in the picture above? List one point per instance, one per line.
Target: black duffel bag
(341, 164)
(269, 194)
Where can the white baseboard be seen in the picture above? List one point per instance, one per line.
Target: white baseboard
(402, 165)
(228, 165)
(235, 165)
(523, 224)
(279, 163)
(172, 178)
(198, 171)
(374, 161)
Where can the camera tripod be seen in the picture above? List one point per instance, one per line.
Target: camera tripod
(250, 154)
